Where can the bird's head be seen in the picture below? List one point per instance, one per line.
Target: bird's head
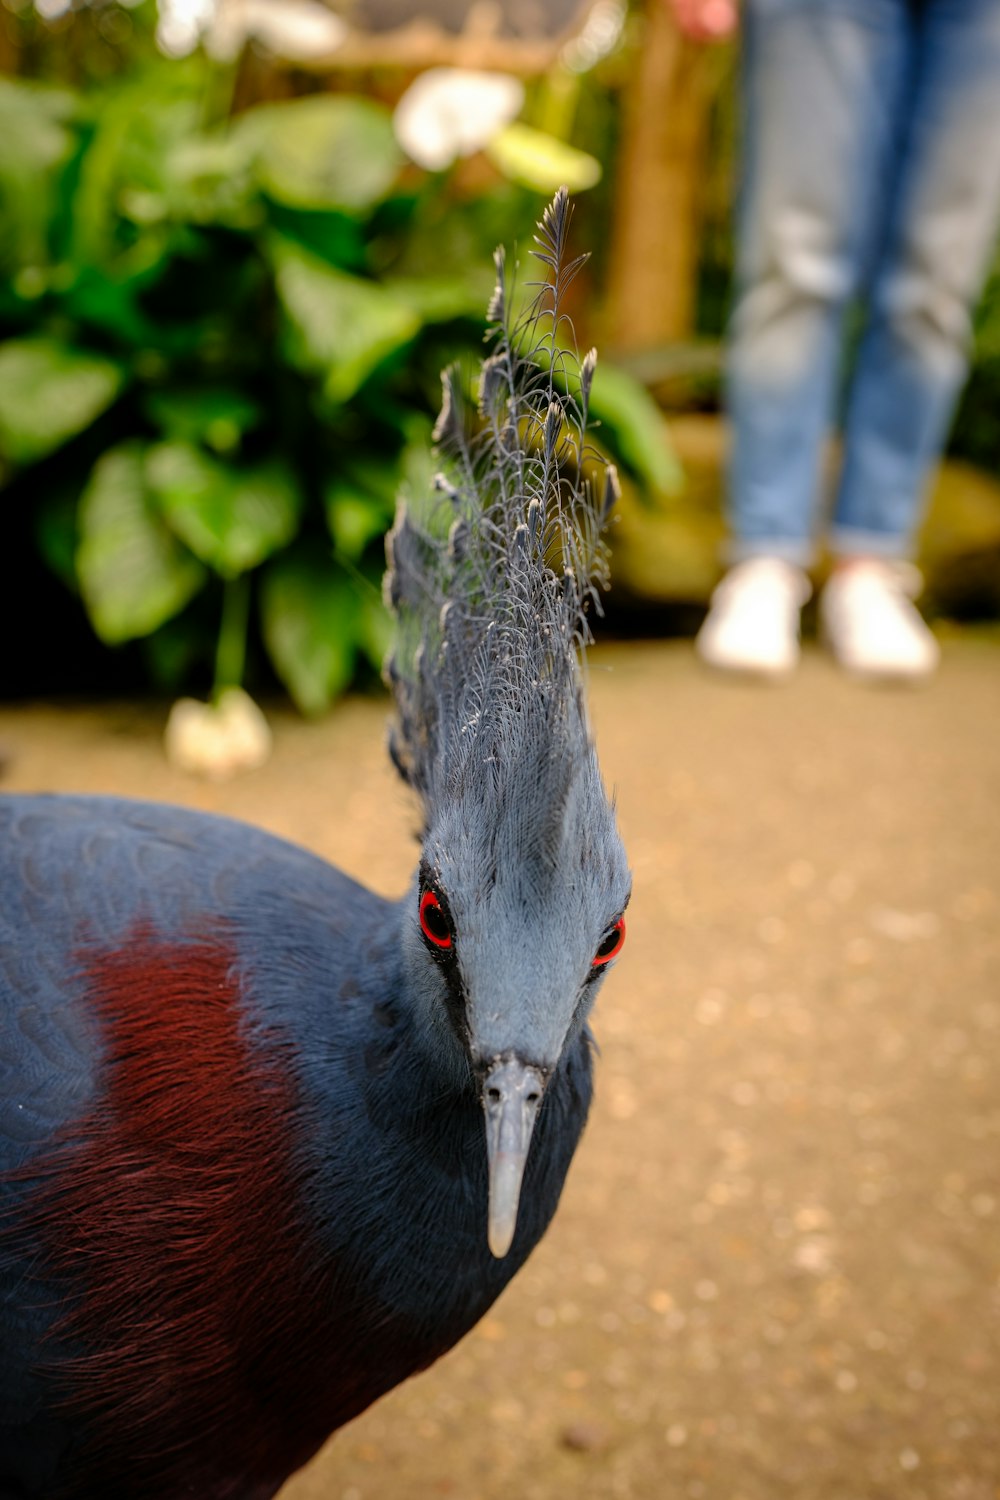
(517, 911)
(519, 902)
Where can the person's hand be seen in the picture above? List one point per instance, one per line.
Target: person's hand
(705, 20)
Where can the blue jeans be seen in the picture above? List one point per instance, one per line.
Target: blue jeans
(872, 172)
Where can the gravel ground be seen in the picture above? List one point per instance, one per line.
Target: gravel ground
(776, 1268)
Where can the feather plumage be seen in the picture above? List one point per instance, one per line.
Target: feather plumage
(492, 581)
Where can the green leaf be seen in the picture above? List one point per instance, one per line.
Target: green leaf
(634, 430)
(440, 299)
(309, 620)
(323, 152)
(540, 161)
(419, 462)
(36, 142)
(231, 518)
(376, 629)
(359, 504)
(109, 304)
(209, 180)
(124, 182)
(339, 325)
(217, 416)
(48, 393)
(336, 238)
(35, 121)
(133, 573)
(353, 520)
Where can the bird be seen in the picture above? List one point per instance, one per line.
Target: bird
(270, 1143)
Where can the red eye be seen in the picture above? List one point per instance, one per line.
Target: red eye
(433, 923)
(611, 944)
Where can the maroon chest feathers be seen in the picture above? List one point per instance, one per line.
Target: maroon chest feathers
(202, 1345)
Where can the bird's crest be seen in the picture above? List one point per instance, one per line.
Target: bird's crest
(492, 579)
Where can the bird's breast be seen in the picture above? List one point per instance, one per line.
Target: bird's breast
(204, 1336)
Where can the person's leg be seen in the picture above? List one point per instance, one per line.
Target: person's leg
(940, 229)
(940, 232)
(822, 93)
(822, 82)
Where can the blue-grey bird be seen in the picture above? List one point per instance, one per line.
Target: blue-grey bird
(270, 1143)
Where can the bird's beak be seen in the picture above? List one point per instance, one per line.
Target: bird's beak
(512, 1092)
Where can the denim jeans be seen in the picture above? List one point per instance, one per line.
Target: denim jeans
(871, 174)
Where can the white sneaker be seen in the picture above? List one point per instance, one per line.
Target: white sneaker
(753, 624)
(871, 624)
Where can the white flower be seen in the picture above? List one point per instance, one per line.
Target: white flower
(181, 23)
(217, 740)
(296, 30)
(452, 112)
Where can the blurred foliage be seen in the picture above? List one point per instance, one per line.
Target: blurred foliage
(221, 345)
(976, 433)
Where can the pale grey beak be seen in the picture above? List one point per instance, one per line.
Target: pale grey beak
(512, 1092)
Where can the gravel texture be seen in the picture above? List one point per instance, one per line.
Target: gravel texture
(776, 1268)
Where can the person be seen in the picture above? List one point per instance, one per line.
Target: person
(871, 172)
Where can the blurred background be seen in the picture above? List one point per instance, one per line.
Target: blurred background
(238, 240)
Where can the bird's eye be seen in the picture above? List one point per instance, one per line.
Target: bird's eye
(611, 944)
(434, 923)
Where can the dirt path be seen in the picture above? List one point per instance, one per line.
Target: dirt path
(776, 1269)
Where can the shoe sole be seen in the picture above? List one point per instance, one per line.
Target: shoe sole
(754, 671)
(901, 676)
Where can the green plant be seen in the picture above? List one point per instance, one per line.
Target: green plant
(220, 364)
(976, 432)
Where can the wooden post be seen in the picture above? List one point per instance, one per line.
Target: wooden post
(655, 231)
